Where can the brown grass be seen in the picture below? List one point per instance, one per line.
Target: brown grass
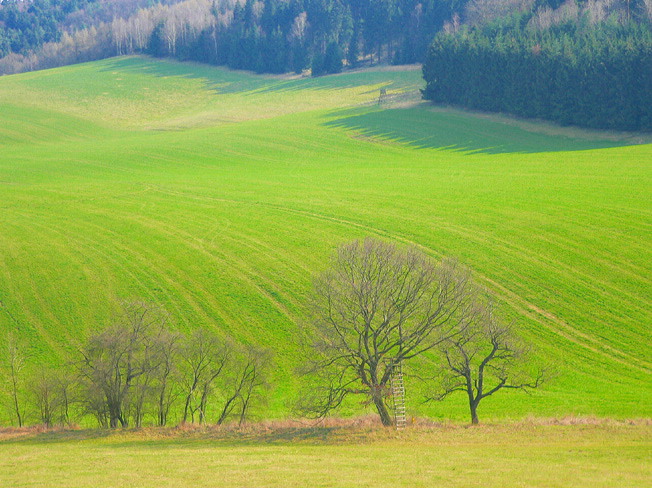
(330, 430)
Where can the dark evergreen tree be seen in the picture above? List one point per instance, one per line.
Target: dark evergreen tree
(333, 58)
(156, 45)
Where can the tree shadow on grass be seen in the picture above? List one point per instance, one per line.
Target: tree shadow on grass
(220, 80)
(424, 128)
(223, 80)
(55, 436)
(153, 440)
(390, 80)
(201, 436)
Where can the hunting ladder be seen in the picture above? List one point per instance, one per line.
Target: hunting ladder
(398, 395)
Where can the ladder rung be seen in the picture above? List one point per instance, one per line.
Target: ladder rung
(398, 394)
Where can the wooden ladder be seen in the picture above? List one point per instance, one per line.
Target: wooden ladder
(398, 395)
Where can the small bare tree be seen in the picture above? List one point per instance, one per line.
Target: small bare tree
(166, 344)
(204, 356)
(246, 380)
(483, 358)
(45, 393)
(14, 362)
(484, 11)
(375, 306)
(256, 380)
(51, 391)
(647, 9)
(66, 388)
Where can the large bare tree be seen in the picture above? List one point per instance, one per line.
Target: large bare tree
(483, 358)
(377, 305)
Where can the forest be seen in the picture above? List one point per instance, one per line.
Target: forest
(572, 67)
(273, 36)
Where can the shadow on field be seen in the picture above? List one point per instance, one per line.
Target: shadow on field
(223, 80)
(424, 127)
(31, 436)
(220, 80)
(157, 437)
(394, 81)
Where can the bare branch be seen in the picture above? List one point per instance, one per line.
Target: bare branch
(375, 306)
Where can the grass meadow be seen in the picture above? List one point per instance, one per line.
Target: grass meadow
(218, 194)
(527, 454)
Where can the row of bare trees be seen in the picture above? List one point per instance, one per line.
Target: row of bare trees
(138, 371)
(376, 307)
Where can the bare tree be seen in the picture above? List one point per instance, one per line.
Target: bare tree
(375, 306)
(44, 391)
(246, 381)
(66, 388)
(166, 345)
(14, 371)
(51, 390)
(484, 11)
(115, 359)
(647, 9)
(484, 358)
(204, 356)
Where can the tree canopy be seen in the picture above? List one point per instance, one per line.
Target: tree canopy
(374, 307)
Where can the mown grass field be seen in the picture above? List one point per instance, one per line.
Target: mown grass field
(218, 194)
(507, 456)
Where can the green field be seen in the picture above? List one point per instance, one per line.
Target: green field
(506, 456)
(218, 194)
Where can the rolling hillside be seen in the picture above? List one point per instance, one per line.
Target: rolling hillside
(217, 194)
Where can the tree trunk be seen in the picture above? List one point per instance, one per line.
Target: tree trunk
(243, 412)
(14, 392)
(385, 417)
(17, 410)
(474, 413)
(186, 408)
(226, 410)
(65, 416)
(161, 409)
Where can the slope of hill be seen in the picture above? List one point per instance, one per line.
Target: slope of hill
(217, 194)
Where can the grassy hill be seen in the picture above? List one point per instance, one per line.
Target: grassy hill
(218, 194)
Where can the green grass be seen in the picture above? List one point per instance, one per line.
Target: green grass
(218, 194)
(523, 455)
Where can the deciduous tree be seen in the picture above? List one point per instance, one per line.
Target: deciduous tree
(483, 358)
(375, 306)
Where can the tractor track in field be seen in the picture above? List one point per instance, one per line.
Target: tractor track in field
(556, 324)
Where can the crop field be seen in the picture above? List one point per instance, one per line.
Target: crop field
(510, 456)
(219, 194)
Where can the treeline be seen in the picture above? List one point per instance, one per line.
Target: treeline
(85, 40)
(266, 35)
(26, 26)
(279, 36)
(135, 372)
(591, 70)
